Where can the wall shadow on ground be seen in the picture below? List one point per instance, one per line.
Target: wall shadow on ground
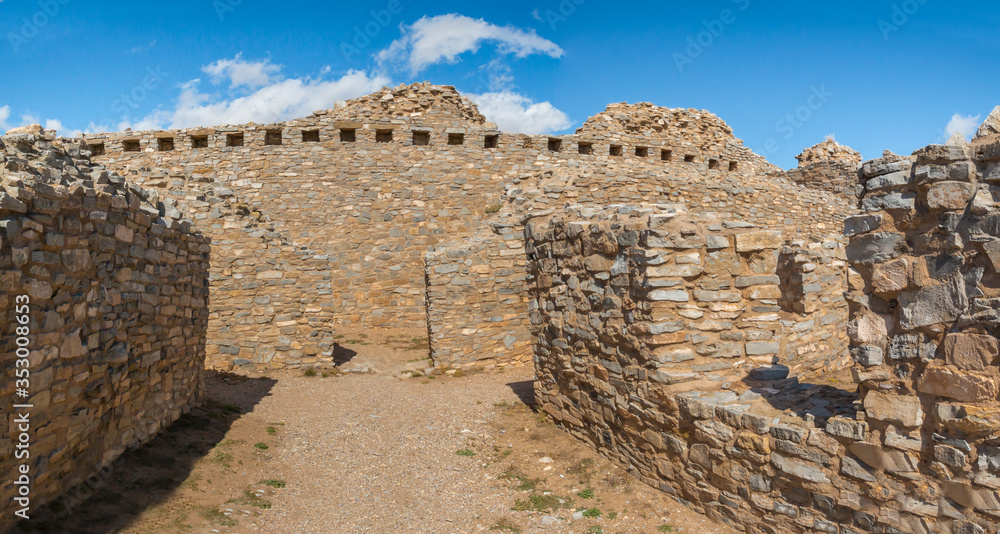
(145, 477)
(525, 391)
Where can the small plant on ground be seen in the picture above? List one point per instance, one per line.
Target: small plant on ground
(666, 527)
(273, 482)
(592, 513)
(270, 430)
(504, 525)
(596, 529)
(538, 503)
(214, 515)
(261, 446)
(250, 498)
(586, 494)
(612, 515)
(493, 208)
(526, 484)
(222, 458)
(310, 372)
(465, 452)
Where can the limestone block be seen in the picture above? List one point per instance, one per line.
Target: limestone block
(875, 248)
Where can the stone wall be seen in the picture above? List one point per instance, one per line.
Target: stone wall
(373, 185)
(117, 314)
(272, 300)
(829, 166)
(696, 302)
(478, 302)
(925, 257)
(913, 451)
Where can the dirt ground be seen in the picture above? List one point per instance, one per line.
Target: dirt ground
(367, 451)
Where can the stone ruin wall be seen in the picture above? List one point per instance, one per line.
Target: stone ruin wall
(829, 166)
(914, 451)
(271, 301)
(372, 208)
(118, 310)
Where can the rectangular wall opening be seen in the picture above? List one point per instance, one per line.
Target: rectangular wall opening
(165, 144)
(555, 145)
(421, 138)
(235, 139)
(310, 136)
(733, 166)
(130, 145)
(689, 159)
(383, 136)
(272, 137)
(713, 164)
(97, 149)
(615, 150)
(199, 141)
(347, 135)
(666, 155)
(456, 139)
(491, 141)
(641, 152)
(586, 148)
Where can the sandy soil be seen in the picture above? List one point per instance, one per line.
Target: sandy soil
(368, 452)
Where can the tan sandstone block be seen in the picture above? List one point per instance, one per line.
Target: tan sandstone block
(756, 241)
(904, 410)
(950, 195)
(890, 277)
(971, 352)
(958, 385)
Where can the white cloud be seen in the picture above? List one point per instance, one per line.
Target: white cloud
(275, 101)
(432, 40)
(4, 115)
(57, 125)
(517, 113)
(964, 125)
(252, 74)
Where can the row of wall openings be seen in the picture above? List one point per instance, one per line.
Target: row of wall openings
(420, 138)
(271, 137)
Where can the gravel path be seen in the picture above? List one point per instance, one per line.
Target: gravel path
(373, 453)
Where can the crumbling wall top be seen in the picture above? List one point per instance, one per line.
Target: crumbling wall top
(418, 101)
(828, 150)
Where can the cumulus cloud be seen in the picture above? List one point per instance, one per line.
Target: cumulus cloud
(4, 114)
(432, 40)
(251, 74)
(514, 112)
(57, 125)
(243, 91)
(964, 125)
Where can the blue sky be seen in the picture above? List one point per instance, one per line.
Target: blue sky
(879, 75)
